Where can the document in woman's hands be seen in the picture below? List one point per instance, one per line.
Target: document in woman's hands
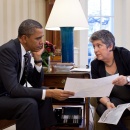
(112, 116)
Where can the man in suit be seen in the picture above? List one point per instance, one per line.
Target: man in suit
(30, 107)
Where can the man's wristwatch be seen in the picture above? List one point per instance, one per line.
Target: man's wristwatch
(128, 79)
(38, 61)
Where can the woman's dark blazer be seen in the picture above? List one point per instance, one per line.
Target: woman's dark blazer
(10, 67)
(122, 59)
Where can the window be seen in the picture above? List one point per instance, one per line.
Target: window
(100, 16)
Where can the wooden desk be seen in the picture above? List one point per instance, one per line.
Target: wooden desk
(57, 80)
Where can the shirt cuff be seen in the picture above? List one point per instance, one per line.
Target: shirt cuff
(38, 68)
(43, 94)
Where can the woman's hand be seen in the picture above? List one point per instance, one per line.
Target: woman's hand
(120, 81)
(106, 101)
(110, 105)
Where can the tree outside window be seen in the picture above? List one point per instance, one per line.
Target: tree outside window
(100, 16)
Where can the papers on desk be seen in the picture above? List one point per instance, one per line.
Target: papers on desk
(80, 70)
(90, 87)
(112, 116)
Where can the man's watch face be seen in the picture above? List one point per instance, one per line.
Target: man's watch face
(128, 79)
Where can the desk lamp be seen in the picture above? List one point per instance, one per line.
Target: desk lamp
(67, 16)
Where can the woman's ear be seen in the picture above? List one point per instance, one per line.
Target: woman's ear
(110, 48)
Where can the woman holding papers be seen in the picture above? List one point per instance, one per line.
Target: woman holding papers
(111, 60)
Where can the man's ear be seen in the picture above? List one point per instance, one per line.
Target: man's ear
(23, 39)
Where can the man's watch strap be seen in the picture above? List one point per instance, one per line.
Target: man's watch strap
(38, 61)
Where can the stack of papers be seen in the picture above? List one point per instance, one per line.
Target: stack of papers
(80, 69)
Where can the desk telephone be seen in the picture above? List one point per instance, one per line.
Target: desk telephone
(69, 116)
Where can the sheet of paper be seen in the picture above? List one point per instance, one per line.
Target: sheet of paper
(112, 116)
(80, 69)
(90, 87)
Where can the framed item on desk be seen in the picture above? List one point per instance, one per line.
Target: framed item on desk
(69, 116)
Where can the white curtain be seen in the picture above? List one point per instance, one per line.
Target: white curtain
(13, 12)
(122, 23)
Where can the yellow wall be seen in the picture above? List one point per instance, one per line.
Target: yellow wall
(13, 12)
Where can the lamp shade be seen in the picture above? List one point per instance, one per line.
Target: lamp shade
(67, 13)
(66, 16)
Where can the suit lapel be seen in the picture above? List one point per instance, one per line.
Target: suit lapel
(18, 49)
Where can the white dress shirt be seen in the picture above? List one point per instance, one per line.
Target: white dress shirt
(38, 68)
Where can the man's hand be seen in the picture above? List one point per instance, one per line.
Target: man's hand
(58, 94)
(37, 55)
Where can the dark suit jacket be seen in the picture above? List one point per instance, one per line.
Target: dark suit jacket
(122, 59)
(10, 67)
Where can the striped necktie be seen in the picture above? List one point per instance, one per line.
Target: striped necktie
(27, 59)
